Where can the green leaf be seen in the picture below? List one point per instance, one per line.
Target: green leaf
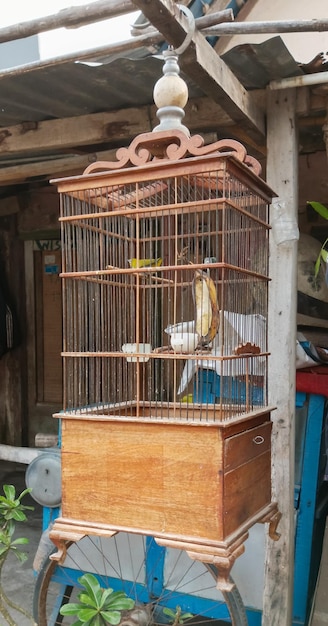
(21, 556)
(18, 515)
(96, 606)
(87, 614)
(121, 603)
(116, 594)
(10, 528)
(169, 612)
(319, 208)
(9, 491)
(20, 541)
(24, 493)
(5, 539)
(86, 599)
(107, 597)
(70, 609)
(113, 617)
(324, 255)
(92, 586)
(8, 515)
(186, 616)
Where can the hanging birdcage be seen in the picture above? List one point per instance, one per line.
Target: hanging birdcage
(165, 279)
(165, 291)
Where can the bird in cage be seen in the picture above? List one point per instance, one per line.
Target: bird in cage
(206, 308)
(200, 332)
(145, 262)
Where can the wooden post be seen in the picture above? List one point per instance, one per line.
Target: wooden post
(282, 176)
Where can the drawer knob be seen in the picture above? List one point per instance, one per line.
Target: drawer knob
(258, 440)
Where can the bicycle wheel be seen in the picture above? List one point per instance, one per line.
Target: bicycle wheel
(155, 577)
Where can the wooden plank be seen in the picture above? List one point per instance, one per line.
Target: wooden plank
(112, 127)
(246, 491)
(247, 445)
(73, 131)
(203, 65)
(282, 174)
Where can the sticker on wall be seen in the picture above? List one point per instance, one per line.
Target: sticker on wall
(50, 265)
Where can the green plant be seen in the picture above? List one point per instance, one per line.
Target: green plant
(11, 511)
(323, 255)
(96, 606)
(176, 617)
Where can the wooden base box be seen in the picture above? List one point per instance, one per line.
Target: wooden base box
(192, 481)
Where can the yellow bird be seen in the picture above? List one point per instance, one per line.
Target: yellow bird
(145, 262)
(206, 305)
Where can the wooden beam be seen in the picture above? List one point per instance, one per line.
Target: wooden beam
(69, 17)
(48, 168)
(282, 176)
(202, 64)
(75, 17)
(110, 128)
(263, 27)
(73, 132)
(151, 38)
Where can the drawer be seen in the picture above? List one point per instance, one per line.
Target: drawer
(245, 446)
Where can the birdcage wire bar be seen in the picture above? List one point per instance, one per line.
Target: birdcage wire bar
(132, 247)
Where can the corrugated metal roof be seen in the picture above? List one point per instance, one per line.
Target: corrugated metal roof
(255, 65)
(72, 89)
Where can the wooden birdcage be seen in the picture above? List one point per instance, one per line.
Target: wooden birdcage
(165, 291)
(165, 424)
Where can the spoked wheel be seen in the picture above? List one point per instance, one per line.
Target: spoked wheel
(155, 577)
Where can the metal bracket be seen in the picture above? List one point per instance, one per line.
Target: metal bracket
(191, 29)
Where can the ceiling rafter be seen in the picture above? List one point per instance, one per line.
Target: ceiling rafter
(110, 127)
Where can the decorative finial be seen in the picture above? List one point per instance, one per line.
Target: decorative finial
(171, 95)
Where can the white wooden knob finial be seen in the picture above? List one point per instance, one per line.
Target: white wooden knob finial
(171, 95)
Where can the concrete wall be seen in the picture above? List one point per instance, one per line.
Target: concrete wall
(302, 46)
